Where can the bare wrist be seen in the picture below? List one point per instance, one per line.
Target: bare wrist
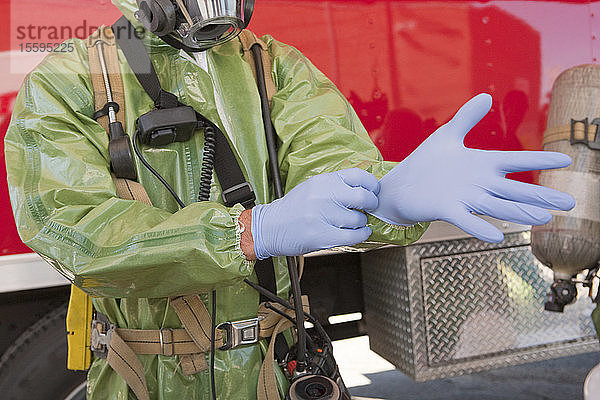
(246, 240)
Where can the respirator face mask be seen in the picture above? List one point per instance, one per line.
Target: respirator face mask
(196, 24)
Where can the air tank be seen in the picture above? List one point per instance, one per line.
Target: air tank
(571, 241)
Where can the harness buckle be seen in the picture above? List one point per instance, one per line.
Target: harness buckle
(595, 144)
(164, 341)
(242, 193)
(102, 330)
(238, 333)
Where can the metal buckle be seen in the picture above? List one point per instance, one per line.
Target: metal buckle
(170, 341)
(242, 193)
(239, 333)
(102, 331)
(595, 144)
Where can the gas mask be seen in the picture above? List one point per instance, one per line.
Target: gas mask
(195, 25)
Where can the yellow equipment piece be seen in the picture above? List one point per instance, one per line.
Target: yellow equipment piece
(79, 323)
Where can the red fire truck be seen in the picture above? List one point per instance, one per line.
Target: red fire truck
(406, 67)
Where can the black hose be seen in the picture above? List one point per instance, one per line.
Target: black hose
(276, 176)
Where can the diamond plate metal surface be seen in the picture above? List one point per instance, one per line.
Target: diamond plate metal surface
(453, 307)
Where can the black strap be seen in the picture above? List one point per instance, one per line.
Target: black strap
(232, 180)
(233, 183)
(168, 39)
(140, 63)
(235, 190)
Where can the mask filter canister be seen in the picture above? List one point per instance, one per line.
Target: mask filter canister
(314, 387)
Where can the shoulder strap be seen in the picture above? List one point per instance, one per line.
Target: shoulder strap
(140, 63)
(131, 190)
(106, 38)
(248, 39)
(126, 188)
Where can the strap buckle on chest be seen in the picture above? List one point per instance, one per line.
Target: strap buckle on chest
(102, 331)
(242, 193)
(238, 333)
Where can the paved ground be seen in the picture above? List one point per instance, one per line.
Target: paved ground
(369, 376)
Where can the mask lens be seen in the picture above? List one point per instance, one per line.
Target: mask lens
(209, 23)
(203, 10)
(214, 31)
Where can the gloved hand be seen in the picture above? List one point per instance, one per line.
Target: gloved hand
(444, 180)
(320, 213)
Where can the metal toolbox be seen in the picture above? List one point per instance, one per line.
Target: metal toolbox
(453, 307)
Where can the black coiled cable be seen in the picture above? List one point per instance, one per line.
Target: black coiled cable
(208, 162)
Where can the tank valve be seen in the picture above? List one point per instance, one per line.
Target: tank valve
(562, 292)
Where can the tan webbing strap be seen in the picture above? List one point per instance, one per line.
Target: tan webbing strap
(195, 319)
(126, 189)
(300, 266)
(248, 38)
(271, 325)
(106, 38)
(563, 132)
(131, 190)
(197, 322)
(267, 383)
(124, 361)
(193, 363)
(126, 343)
(167, 342)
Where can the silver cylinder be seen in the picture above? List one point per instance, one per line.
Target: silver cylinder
(571, 241)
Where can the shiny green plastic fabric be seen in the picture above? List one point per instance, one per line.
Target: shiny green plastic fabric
(131, 256)
(596, 319)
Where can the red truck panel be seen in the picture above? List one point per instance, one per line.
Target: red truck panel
(406, 66)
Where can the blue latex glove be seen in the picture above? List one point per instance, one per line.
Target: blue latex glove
(320, 213)
(444, 180)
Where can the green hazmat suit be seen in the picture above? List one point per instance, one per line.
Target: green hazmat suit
(596, 319)
(131, 256)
